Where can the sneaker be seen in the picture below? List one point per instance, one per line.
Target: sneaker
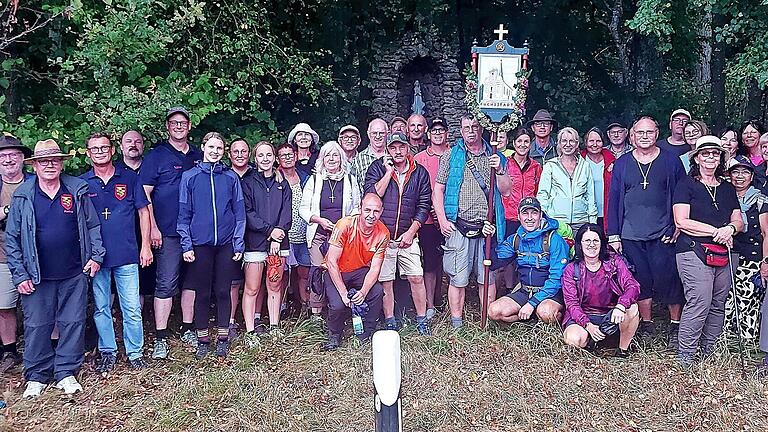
(430, 313)
(233, 327)
(106, 363)
(161, 349)
(202, 350)
(333, 343)
(189, 338)
(138, 363)
(251, 340)
(390, 324)
(457, 323)
(260, 329)
(10, 360)
(222, 349)
(622, 353)
(34, 389)
(647, 329)
(69, 385)
(685, 360)
(423, 328)
(673, 343)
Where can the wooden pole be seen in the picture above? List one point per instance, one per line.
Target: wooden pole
(488, 239)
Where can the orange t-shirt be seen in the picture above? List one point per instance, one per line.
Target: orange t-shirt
(358, 250)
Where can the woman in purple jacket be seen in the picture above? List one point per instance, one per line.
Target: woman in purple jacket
(599, 291)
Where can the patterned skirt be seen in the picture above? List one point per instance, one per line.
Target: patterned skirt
(749, 301)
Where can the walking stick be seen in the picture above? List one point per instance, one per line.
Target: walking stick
(488, 241)
(738, 315)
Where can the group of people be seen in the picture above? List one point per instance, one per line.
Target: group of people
(586, 232)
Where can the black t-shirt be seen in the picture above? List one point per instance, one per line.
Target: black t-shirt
(646, 211)
(703, 209)
(677, 150)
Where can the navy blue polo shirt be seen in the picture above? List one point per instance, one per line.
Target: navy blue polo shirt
(58, 239)
(116, 202)
(162, 169)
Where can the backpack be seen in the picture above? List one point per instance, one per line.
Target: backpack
(614, 276)
(544, 246)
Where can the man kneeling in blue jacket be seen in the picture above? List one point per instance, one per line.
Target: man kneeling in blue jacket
(541, 255)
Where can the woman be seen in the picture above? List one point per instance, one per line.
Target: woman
(600, 161)
(751, 245)
(730, 140)
(268, 212)
(298, 258)
(749, 136)
(692, 130)
(567, 189)
(525, 174)
(329, 194)
(306, 140)
(706, 211)
(211, 224)
(596, 283)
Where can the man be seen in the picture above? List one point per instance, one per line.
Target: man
(53, 242)
(541, 255)
(640, 222)
(675, 142)
(377, 147)
(356, 252)
(132, 147)
(461, 206)
(118, 195)
(417, 133)
(349, 140)
(405, 190)
(430, 237)
(161, 174)
(398, 124)
(543, 147)
(617, 136)
(12, 154)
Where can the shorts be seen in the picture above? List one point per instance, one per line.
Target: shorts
(168, 276)
(9, 295)
(655, 270)
(594, 319)
(521, 297)
(431, 240)
(407, 261)
(299, 255)
(260, 257)
(462, 256)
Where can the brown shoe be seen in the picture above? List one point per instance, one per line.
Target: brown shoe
(9, 361)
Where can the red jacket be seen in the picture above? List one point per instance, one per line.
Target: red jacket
(608, 159)
(525, 183)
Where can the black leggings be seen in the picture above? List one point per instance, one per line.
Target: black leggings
(212, 270)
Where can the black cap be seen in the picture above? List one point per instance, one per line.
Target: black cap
(438, 121)
(529, 202)
(615, 124)
(396, 137)
(740, 162)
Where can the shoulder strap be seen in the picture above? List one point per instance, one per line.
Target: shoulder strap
(516, 242)
(478, 177)
(576, 272)
(545, 242)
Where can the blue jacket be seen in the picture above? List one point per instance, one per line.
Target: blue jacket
(21, 229)
(211, 207)
(535, 269)
(457, 164)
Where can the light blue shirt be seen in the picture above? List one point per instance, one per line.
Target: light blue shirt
(597, 176)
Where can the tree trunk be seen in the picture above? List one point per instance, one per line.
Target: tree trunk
(704, 33)
(717, 111)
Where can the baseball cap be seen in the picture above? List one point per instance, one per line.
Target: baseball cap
(396, 137)
(396, 119)
(349, 127)
(527, 203)
(615, 124)
(680, 111)
(177, 110)
(740, 162)
(438, 121)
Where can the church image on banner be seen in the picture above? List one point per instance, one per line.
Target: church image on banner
(497, 79)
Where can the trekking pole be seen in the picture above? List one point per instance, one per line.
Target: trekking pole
(738, 315)
(488, 241)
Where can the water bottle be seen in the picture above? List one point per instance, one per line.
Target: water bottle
(357, 324)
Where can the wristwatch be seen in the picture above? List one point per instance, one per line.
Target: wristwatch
(6, 210)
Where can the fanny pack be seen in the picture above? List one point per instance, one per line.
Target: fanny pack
(469, 229)
(711, 254)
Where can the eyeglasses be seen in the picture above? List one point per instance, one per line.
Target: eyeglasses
(49, 162)
(437, 131)
(473, 127)
(590, 241)
(285, 156)
(376, 133)
(616, 132)
(541, 124)
(710, 154)
(679, 120)
(348, 138)
(178, 124)
(646, 134)
(100, 149)
(741, 173)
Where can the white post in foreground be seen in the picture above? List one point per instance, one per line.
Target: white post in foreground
(386, 381)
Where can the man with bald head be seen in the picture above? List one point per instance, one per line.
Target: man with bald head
(132, 147)
(357, 248)
(417, 133)
(377, 147)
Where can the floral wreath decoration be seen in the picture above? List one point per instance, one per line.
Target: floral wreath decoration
(511, 120)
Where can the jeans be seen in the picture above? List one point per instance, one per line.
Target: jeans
(127, 282)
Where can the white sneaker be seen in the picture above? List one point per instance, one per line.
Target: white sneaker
(34, 389)
(69, 385)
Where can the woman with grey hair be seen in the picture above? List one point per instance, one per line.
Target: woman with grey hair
(567, 188)
(329, 194)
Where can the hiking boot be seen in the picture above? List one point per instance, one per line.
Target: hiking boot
(222, 349)
(161, 349)
(251, 340)
(10, 360)
(672, 342)
(423, 327)
(34, 389)
(69, 385)
(647, 329)
(189, 338)
(685, 360)
(333, 343)
(106, 363)
(138, 363)
(202, 350)
(232, 331)
(390, 324)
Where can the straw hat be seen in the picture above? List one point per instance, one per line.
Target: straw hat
(47, 149)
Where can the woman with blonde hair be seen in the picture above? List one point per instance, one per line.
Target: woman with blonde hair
(329, 194)
(567, 189)
(268, 215)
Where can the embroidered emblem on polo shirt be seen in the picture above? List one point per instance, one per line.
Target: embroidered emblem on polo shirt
(67, 202)
(121, 191)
